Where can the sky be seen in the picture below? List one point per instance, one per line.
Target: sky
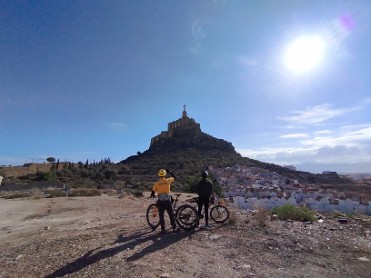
(286, 82)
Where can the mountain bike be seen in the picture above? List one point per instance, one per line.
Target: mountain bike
(218, 212)
(185, 215)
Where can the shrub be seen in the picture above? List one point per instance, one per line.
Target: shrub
(135, 192)
(233, 217)
(294, 213)
(262, 216)
(16, 195)
(53, 193)
(84, 192)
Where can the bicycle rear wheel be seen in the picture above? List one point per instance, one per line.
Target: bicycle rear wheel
(219, 214)
(186, 217)
(152, 216)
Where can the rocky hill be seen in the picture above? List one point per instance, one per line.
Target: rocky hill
(186, 150)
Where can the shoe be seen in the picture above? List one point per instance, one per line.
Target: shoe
(176, 230)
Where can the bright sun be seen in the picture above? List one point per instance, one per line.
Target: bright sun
(304, 54)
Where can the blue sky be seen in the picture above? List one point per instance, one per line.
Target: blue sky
(94, 79)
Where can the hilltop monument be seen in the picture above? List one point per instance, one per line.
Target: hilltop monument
(184, 126)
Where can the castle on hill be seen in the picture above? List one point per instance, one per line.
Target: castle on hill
(184, 126)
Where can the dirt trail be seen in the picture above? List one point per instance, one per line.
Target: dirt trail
(108, 236)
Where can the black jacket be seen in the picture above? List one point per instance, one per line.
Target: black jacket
(204, 188)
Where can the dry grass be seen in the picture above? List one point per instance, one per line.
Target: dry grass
(262, 216)
(233, 217)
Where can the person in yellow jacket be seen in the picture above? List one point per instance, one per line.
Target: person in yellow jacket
(162, 187)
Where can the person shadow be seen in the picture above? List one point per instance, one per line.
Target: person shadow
(125, 242)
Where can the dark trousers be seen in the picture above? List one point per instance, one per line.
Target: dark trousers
(162, 206)
(202, 201)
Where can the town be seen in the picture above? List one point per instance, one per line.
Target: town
(253, 187)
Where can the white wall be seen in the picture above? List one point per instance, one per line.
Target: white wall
(345, 206)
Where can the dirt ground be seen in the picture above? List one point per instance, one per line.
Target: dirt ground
(107, 236)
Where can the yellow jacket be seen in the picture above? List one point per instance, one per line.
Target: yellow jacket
(162, 186)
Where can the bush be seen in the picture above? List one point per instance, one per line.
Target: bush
(262, 216)
(294, 213)
(135, 192)
(53, 193)
(84, 192)
(233, 217)
(16, 195)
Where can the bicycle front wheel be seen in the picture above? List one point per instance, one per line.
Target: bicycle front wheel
(219, 214)
(152, 216)
(186, 217)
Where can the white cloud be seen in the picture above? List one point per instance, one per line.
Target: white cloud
(199, 32)
(323, 132)
(350, 145)
(117, 126)
(294, 135)
(315, 114)
(246, 61)
(351, 138)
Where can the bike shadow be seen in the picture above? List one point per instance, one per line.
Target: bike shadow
(126, 242)
(160, 242)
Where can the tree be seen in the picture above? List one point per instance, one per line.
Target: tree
(50, 159)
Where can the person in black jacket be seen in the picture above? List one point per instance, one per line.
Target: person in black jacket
(204, 190)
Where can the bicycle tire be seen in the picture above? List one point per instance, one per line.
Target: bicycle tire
(187, 217)
(219, 214)
(152, 216)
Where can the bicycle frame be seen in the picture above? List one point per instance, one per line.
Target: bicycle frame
(185, 215)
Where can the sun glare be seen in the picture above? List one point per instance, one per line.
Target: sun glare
(304, 54)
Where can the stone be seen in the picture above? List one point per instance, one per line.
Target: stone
(343, 220)
(214, 237)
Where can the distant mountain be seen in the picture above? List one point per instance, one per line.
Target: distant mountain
(341, 168)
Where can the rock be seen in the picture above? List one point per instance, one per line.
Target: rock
(47, 228)
(363, 259)
(214, 237)
(165, 275)
(343, 220)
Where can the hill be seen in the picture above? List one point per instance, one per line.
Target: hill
(186, 150)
